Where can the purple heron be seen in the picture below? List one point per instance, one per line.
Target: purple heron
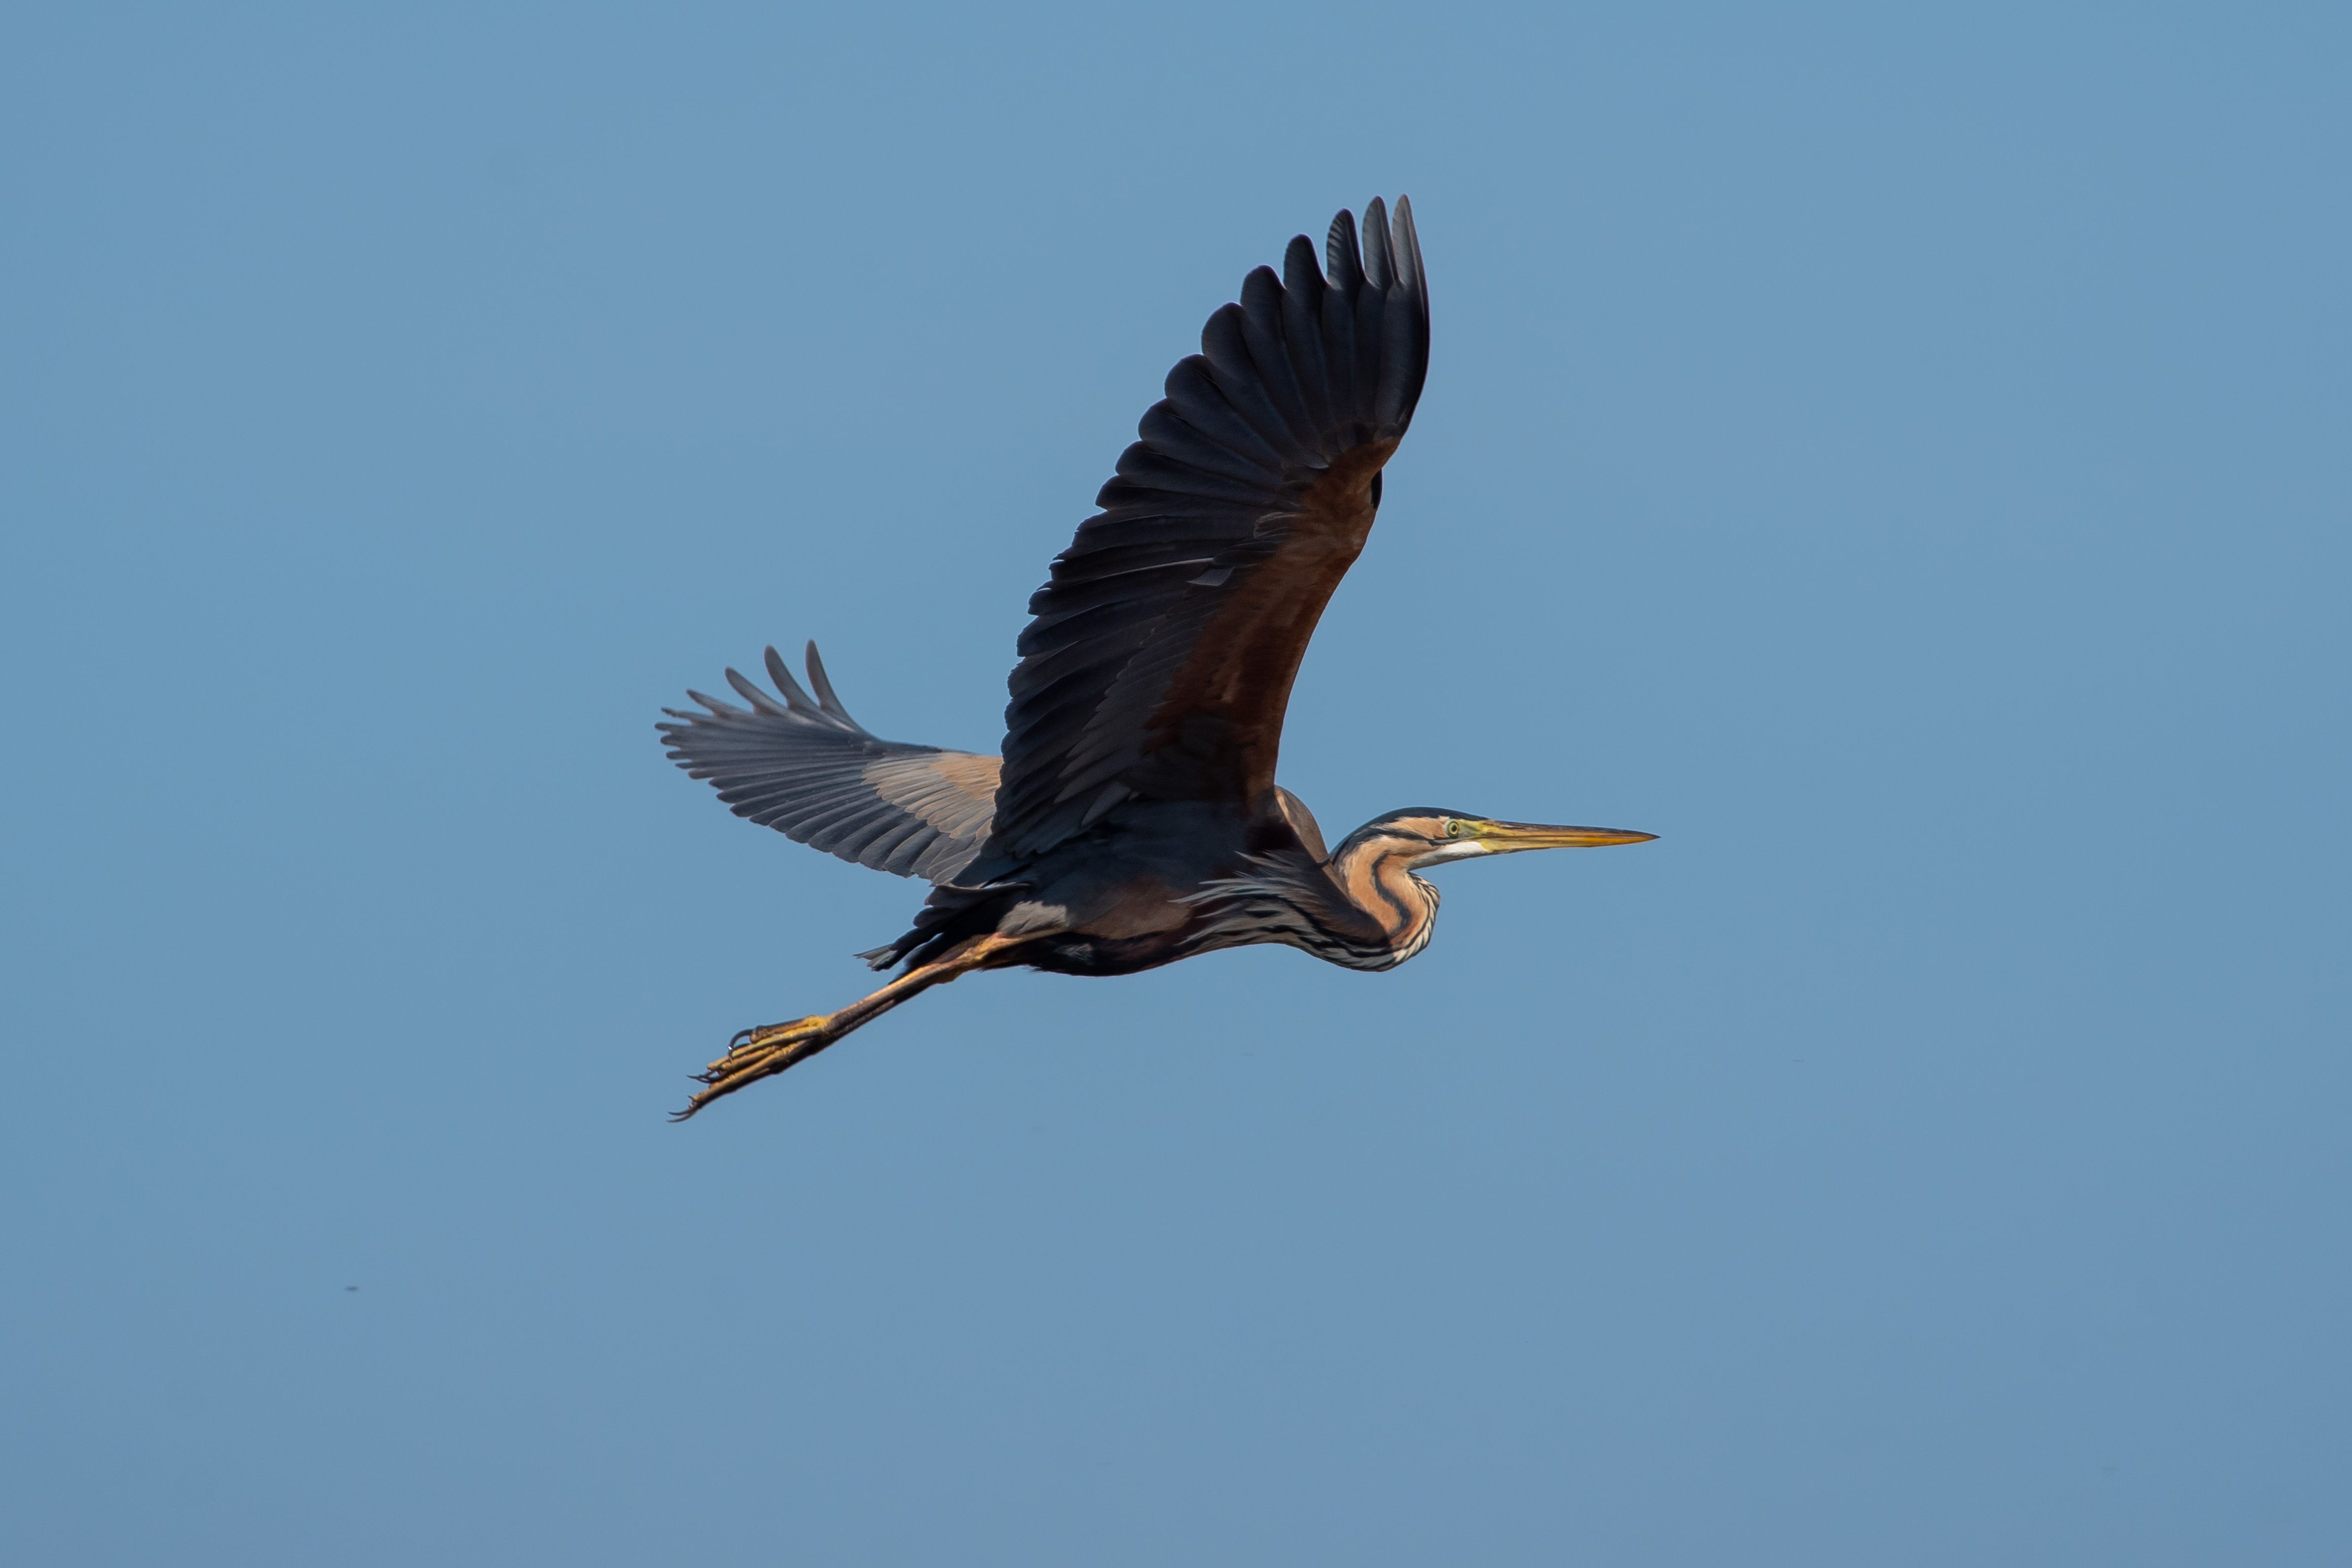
(1133, 818)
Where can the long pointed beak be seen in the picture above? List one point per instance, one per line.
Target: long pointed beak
(1510, 838)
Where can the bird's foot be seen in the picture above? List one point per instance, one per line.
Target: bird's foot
(755, 1054)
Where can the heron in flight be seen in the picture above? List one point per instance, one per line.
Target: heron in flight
(1133, 818)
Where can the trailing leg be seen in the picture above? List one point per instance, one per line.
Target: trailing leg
(769, 1049)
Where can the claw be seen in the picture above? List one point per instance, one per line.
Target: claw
(758, 1053)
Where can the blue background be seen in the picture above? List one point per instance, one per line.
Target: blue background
(1899, 455)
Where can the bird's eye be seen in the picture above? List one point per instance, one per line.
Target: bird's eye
(1455, 827)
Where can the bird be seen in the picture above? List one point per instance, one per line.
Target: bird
(1133, 819)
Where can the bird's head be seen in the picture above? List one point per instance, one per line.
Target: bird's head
(1424, 837)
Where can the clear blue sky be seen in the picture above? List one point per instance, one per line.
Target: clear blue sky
(1898, 454)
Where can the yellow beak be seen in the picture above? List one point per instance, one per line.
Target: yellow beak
(1510, 837)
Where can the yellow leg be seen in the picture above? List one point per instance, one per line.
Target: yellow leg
(769, 1049)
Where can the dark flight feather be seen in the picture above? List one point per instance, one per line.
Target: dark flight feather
(1160, 656)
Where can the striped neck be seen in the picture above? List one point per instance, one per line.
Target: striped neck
(1362, 910)
(1371, 875)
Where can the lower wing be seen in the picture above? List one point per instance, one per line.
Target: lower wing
(805, 768)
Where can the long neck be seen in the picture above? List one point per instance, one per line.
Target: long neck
(1371, 875)
(1361, 908)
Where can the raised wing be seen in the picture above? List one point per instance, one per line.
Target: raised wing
(808, 770)
(1160, 658)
